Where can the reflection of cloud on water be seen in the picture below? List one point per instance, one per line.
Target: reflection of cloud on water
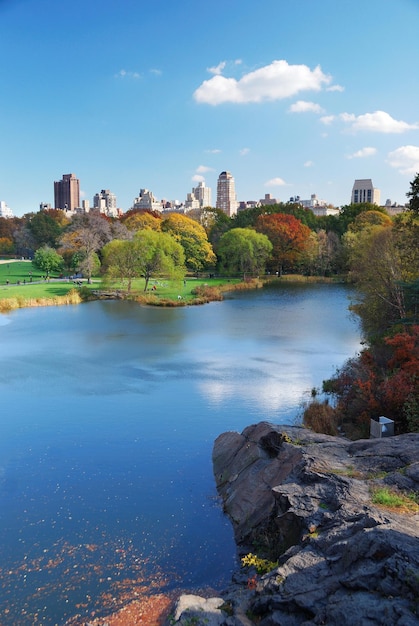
(276, 388)
(268, 396)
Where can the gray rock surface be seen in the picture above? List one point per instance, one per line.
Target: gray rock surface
(305, 500)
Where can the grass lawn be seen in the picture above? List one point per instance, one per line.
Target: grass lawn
(14, 272)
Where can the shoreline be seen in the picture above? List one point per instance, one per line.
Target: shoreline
(209, 294)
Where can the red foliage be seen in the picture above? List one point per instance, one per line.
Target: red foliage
(367, 387)
(405, 351)
(252, 582)
(287, 234)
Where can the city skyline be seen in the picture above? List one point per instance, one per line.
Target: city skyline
(292, 97)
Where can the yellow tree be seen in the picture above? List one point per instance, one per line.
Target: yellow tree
(193, 239)
(141, 220)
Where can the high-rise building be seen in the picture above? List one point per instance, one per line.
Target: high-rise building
(199, 198)
(146, 200)
(364, 191)
(105, 202)
(226, 194)
(202, 194)
(67, 193)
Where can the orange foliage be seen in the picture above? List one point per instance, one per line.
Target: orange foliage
(288, 235)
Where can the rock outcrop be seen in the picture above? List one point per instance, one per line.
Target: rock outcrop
(305, 501)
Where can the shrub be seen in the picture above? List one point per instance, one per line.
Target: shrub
(207, 293)
(262, 566)
(321, 417)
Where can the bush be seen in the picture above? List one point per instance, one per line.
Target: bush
(207, 293)
(321, 417)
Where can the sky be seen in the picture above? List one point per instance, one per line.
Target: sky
(293, 97)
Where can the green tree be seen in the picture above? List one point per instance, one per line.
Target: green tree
(193, 238)
(45, 229)
(368, 219)
(120, 261)
(244, 251)
(159, 254)
(380, 261)
(349, 212)
(48, 260)
(413, 194)
(148, 253)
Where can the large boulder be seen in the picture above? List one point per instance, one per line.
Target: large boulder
(304, 500)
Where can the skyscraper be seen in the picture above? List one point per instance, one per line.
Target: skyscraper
(67, 193)
(226, 194)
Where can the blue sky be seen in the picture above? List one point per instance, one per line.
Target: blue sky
(293, 97)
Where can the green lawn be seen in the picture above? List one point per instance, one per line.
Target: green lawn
(20, 272)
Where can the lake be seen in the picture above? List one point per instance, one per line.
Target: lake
(109, 411)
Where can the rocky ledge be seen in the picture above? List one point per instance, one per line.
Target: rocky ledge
(305, 501)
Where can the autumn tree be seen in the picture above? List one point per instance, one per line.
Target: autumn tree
(369, 219)
(383, 380)
(244, 251)
(329, 253)
(7, 246)
(83, 239)
(139, 220)
(193, 239)
(288, 236)
(383, 260)
(347, 214)
(79, 247)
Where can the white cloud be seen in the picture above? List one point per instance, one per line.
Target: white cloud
(244, 151)
(213, 151)
(308, 164)
(301, 106)
(335, 88)
(379, 122)
(197, 178)
(364, 152)
(202, 169)
(156, 72)
(327, 119)
(405, 159)
(217, 69)
(275, 182)
(272, 82)
(125, 74)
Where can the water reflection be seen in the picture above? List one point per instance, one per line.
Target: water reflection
(109, 413)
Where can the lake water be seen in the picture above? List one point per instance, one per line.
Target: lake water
(109, 412)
